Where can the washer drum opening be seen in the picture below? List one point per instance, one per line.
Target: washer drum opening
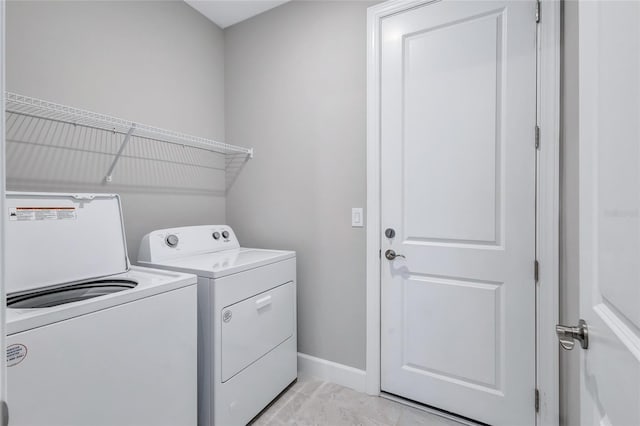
(68, 294)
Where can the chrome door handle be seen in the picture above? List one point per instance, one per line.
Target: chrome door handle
(569, 335)
(390, 254)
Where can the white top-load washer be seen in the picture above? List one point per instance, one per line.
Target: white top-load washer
(246, 317)
(91, 340)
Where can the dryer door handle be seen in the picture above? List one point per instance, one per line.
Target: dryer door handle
(263, 302)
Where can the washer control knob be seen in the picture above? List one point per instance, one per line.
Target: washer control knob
(171, 240)
(225, 234)
(216, 235)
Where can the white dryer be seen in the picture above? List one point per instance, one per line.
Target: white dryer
(90, 340)
(246, 317)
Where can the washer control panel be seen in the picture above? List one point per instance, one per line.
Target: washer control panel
(174, 242)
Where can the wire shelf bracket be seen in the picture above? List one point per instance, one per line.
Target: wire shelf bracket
(109, 176)
(46, 110)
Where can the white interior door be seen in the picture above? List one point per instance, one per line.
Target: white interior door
(3, 388)
(610, 211)
(458, 116)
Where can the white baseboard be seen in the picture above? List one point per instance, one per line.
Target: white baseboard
(332, 372)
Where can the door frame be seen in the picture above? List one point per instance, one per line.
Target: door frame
(547, 202)
(3, 219)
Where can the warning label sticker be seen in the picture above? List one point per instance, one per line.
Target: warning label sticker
(16, 354)
(41, 213)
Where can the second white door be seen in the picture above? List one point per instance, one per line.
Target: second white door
(458, 116)
(610, 212)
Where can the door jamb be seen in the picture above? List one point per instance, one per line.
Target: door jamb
(547, 212)
(3, 221)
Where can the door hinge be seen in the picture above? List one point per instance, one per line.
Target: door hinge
(380, 254)
(537, 137)
(536, 270)
(537, 401)
(538, 11)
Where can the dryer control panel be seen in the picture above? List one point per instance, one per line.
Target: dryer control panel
(186, 241)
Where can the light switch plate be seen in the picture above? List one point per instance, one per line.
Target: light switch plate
(357, 217)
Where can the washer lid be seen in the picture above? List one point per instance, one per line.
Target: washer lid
(55, 239)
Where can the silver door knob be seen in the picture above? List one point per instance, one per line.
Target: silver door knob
(390, 254)
(569, 335)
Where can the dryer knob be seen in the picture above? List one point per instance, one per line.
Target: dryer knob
(225, 234)
(216, 235)
(171, 240)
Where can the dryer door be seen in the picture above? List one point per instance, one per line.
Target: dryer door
(254, 326)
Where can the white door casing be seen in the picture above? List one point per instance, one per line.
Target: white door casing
(458, 114)
(3, 387)
(609, 90)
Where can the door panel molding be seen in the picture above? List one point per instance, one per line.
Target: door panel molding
(547, 193)
(427, 83)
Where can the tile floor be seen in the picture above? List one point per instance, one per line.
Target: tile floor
(312, 402)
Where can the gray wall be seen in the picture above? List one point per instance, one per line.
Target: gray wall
(159, 63)
(569, 241)
(296, 92)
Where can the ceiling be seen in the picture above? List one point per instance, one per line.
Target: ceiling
(225, 13)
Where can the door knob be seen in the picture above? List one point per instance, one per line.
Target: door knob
(390, 254)
(569, 335)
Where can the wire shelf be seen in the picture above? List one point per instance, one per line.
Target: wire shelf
(38, 108)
